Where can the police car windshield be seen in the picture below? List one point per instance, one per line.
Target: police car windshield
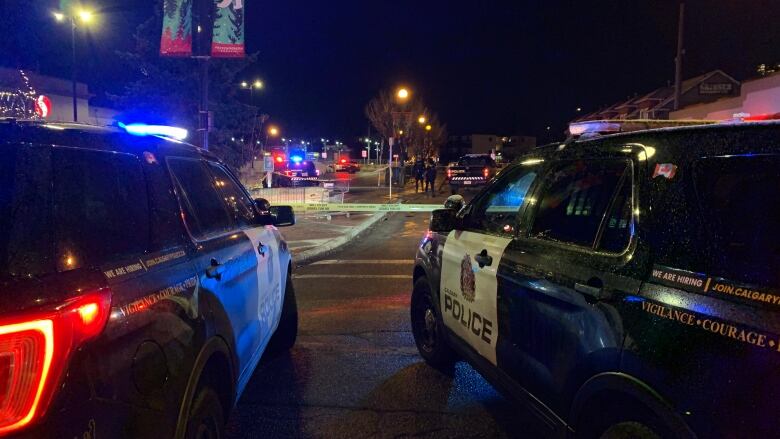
(68, 208)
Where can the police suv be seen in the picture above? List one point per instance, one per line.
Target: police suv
(624, 285)
(140, 284)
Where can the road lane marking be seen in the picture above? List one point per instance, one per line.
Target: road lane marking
(364, 261)
(352, 276)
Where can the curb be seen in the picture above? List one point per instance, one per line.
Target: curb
(335, 243)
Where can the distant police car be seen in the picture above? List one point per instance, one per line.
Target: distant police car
(140, 284)
(622, 286)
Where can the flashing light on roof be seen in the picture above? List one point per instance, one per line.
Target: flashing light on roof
(603, 127)
(279, 158)
(141, 129)
(296, 158)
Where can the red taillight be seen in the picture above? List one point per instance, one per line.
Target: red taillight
(343, 160)
(449, 173)
(486, 172)
(288, 172)
(34, 352)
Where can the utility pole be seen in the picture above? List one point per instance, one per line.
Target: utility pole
(73, 67)
(678, 59)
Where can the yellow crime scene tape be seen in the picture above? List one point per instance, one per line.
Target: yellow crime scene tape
(361, 207)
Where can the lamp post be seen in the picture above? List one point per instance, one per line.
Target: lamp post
(85, 17)
(402, 96)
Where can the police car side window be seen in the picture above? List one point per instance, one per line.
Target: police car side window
(204, 212)
(237, 202)
(101, 211)
(575, 198)
(497, 211)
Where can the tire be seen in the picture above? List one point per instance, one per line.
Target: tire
(206, 419)
(287, 331)
(629, 430)
(428, 329)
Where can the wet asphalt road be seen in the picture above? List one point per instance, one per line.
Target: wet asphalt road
(354, 371)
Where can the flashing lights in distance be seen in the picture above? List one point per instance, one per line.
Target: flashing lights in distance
(279, 158)
(343, 160)
(142, 129)
(296, 158)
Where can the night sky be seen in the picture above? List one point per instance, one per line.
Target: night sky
(506, 67)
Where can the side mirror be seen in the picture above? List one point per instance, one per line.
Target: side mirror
(443, 220)
(454, 202)
(262, 205)
(283, 216)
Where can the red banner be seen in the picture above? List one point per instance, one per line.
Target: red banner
(177, 28)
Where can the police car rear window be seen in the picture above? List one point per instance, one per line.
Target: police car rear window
(67, 208)
(475, 161)
(739, 199)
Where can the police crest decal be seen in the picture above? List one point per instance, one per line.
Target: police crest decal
(467, 279)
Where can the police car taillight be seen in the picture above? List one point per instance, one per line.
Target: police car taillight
(34, 353)
(486, 172)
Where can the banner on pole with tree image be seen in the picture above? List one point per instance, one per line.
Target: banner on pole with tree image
(228, 37)
(177, 28)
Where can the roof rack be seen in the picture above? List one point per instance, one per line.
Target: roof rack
(595, 128)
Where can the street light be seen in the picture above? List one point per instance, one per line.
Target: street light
(273, 131)
(402, 94)
(244, 84)
(258, 84)
(421, 119)
(85, 16)
(428, 128)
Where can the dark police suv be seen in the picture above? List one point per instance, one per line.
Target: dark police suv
(622, 286)
(140, 284)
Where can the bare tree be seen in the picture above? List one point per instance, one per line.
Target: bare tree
(386, 114)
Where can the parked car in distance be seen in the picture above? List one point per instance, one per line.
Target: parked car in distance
(471, 170)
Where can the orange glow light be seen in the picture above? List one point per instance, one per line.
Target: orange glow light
(88, 313)
(45, 327)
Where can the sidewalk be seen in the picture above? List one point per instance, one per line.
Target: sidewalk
(312, 237)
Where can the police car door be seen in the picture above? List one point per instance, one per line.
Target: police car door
(561, 273)
(471, 258)
(225, 259)
(266, 250)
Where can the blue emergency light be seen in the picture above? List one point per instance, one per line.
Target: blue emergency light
(142, 129)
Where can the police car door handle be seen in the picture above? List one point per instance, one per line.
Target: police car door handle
(483, 259)
(262, 249)
(591, 293)
(214, 271)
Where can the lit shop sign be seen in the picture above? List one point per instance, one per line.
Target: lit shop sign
(43, 106)
(716, 89)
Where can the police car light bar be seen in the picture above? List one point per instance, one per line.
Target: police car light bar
(141, 129)
(603, 127)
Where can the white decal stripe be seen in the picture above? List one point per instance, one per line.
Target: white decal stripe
(352, 276)
(364, 261)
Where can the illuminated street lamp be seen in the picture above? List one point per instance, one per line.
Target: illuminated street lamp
(428, 128)
(84, 16)
(422, 120)
(402, 94)
(273, 131)
(258, 84)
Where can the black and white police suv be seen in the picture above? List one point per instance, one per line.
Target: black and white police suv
(140, 284)
(626, 285)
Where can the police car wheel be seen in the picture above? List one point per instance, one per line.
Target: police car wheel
(428, 329)
(206, 420)
(287, 331)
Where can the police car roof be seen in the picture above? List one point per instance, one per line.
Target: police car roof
(686, 142)
(91, 137)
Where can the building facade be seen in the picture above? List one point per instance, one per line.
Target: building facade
(659, 103)
(758, 97)
(60, 94)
